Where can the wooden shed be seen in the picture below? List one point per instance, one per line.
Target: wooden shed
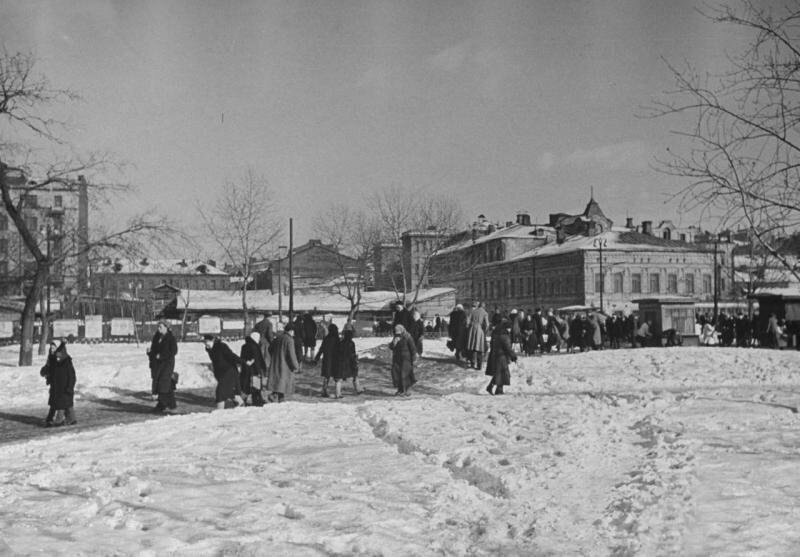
(670, 312)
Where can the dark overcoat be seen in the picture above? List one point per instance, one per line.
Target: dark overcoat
(283, 365)
(224, 365)
(500, 355)
(348, 358)
(417, 331)
(404, 352)
(251, 351)
(457, 329)
(163, 350)
(62, 384)
(329, 352)
(309, 331)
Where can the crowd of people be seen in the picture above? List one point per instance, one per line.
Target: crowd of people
(265, 368)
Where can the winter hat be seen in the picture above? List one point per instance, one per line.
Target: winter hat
(288, 327)
(256, 336)
(399, 329)
(208, 337)
(513, 312)
(333, 330)
(162, 322)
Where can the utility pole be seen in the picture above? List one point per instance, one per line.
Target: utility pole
(716, 278)
(280, 284)
(291, 278)
(599, 243)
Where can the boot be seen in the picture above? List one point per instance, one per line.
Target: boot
(324, 393)
(489, 387)
(221, 405)
(238, 400)
(338, 387)
(357, 386)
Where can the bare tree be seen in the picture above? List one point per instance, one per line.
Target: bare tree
(401, 211)
(24, 97)
(244, 224)
(742, 152)
(352, 234)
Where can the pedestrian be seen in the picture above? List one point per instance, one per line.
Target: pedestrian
(403, 354)
(162, 352)
(283, 365)
(457, 331)
(266, 333)
(644, 336)
(773, 332)
(500, 355)
(253, 367)
(417, 330)
(348, 360)
(331, 367)
(309, 335)
(46, 372)
(224, 364)
(62, 387)
(478, 322)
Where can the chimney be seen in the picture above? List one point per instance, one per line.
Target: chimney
(508, 223)
(560, 235)
(629, 223)
(491, 228)
(211, 262)
(647, 227)
(524, 219)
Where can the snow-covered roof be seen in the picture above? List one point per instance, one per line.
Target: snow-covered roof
(615, 239)
(785, 292)
(161, 267)
(514, 231)
(266, 300)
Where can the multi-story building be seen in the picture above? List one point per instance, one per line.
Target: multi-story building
(58, 216)
(124, 279)
(581, 260)
(314, 265)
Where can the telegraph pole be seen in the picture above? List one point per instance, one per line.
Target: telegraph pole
(291, 278)
(599, 243)
(716, 279)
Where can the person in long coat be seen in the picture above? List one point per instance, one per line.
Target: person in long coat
(62, 387)
(348, 360)
(476, 335)
(224, 364)
(253, 365)
(331, 367)
(45, 372)
(267, 334)
(500, 355)
(162, 352)
(283, 365)
(404, 353)
(309, 335)
(417, 330)
(457, 331)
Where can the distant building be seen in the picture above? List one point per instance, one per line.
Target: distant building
(314, 265)
(58, 216)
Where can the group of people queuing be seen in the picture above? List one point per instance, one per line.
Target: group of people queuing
(745, 331)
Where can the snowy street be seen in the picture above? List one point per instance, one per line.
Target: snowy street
(648, 451)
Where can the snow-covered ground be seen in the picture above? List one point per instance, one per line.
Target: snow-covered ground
(688, 451)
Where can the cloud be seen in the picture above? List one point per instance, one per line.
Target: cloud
(627, 155)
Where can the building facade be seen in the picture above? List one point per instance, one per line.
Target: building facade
(314, 265)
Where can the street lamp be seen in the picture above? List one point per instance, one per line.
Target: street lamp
(600, 243)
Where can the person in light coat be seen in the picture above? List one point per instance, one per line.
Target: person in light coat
(404, 353)
(283, 365)
(478, 323)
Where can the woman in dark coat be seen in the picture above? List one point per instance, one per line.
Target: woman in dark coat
(404, 352)
(62, 387)
(417, 331)
(530, 340)
(348, 359)
(224, 365)
(331, 368)
(500, 355)
(298, 337)
(253, 365)
(162, 353)
(457, 331)
(45, 372)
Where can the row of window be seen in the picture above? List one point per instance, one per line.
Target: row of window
(569, 284)
(149, 284)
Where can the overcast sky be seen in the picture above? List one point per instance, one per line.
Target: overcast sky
(506, 105)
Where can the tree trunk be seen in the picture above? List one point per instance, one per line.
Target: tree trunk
(28, 318)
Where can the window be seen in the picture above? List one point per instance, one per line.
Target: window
(3, 246)
(512, 287)
(706, 284)
(598, 282)
(58, 201)
(617, 283)
(3, 222)
(667, 234)
(636, 283)
(672, 283)
(683, 237)
(689, 283)
(3, 268)
(530, 286)
(655, 283)
(32, 223)
(30, 201)
(485, 289)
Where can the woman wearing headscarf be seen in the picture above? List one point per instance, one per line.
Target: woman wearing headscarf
(417, 330)
(348, 359)
(162, 353)
(253, 365)
(500, 355)
(331, 368)
(404, 352)
(45, 372)
(224, 364)
(62, 387)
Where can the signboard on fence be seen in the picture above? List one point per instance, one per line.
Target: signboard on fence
(6, 329)
(233, 324)
(209, 325)
(93, 326)
(122, 327)
(65, 328)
